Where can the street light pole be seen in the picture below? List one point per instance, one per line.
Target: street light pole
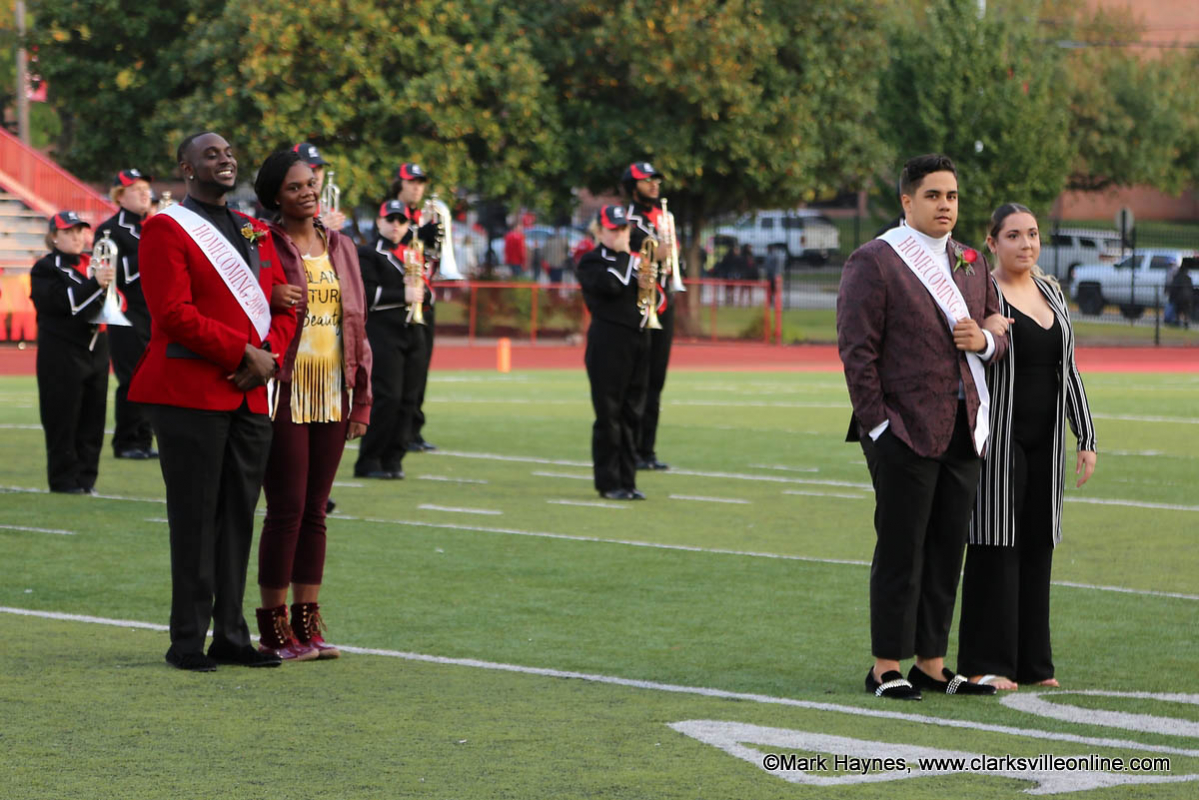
(22, 76)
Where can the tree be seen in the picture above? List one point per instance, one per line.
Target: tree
(742, 104)
(451, 84)
(985, 91)
(111, 65)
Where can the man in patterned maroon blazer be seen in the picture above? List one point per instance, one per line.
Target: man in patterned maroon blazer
(909, 329)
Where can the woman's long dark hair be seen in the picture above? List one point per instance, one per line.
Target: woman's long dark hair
(271, 175)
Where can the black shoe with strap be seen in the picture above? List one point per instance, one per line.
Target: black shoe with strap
(893, 686)
(953, 683)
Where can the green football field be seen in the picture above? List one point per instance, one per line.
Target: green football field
(510, 635)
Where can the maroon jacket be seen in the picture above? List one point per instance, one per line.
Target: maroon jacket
(344, 258)
(900, 360)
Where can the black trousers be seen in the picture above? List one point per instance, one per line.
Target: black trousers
(133, 430)
(921, 520)
(617, 360)
(659, 359)
(212, 463)
(72, 388)
(1004, 627)
(418, 419)
(397, 377)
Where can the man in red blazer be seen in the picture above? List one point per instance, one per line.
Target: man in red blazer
(908, 329)
(207, 276)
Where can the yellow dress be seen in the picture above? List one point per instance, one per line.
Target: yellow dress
(316, 378)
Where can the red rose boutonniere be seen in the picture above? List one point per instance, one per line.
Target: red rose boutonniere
(252, 233)
(966, 258)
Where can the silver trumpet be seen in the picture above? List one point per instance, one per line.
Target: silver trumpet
(104, 255)
(447, 265)
(330, 195)
(676, 280)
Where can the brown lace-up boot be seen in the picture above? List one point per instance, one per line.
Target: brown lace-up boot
(309, 626)
(277, 638)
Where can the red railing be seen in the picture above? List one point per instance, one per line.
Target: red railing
(46, 187)
(722, 294)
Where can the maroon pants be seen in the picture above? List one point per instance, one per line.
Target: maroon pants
(299, 477)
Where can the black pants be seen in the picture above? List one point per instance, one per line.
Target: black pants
(617, 362)
(72, 388)
(921, 519)
(397, 378)
(212, 463)
(659, 359)
(418, 419)
(133, 430)
(1005, 590)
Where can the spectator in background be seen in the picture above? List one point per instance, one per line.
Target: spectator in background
(555, 254)
(515, 251)
(586, 244)
(749, 272)
(1182, 292)
(776, 265)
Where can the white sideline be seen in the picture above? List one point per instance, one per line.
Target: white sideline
(588, 503)
(457, 510)
(36, 530)
(701, 691)
(700, 499)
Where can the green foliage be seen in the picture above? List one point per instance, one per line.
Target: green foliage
(743, 104)
(451, 84)
(981, 90)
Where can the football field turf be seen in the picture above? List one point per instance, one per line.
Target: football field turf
(511, 635)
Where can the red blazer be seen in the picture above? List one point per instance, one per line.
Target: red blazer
(198, 331)
(900, 360)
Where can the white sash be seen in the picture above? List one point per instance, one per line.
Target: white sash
(228, 263)
(939, 282)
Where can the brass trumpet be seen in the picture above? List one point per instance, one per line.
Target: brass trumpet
(647, 285)
(676, 280)
(414, 276)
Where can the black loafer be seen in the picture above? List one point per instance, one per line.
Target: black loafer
(656, 464)
(617, 494)
(427, 446)
(892, 686)
(396, 474)
(636, 494)
(72, 490)
(134, 454)
(380, 474)
(193, 662)
(330, 504)
(246, 656)
(953, 683)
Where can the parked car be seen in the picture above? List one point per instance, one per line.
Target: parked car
(800, 233)
(1137, 282)
(1067, 248)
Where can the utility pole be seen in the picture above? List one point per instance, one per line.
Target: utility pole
(22, 76)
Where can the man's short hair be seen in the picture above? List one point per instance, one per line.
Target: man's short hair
(186, 143)
(917, 168)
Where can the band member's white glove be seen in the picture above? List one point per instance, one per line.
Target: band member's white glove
(414, 294)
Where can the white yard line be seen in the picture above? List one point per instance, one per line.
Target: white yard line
(457, 510)
(701, 691)
(784, 468)
(347, 485)
(448, 479)
(36, 530)
(588, 503)
(1138, 418)
(562, 475)
(702, 499)
(1099, 501)
(806, 493)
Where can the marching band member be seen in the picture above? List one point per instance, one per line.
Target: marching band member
(72, 356)
(397, 343)
(409, 188)
(133, 436)
(617, 356)
(323, 399)
(332, 220)
(643, 184)
(214, 342)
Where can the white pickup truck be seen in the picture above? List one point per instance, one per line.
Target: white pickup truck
(1137, 282)
(800, 233)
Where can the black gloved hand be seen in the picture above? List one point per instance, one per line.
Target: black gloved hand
(430, 233)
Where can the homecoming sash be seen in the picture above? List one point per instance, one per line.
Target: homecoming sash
(939, 283)
(228, 263)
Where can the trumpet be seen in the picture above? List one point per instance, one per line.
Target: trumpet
(647, 285)
(104, 256)
(676, 280)
(330, 195)
(447, 265)
(414, 276)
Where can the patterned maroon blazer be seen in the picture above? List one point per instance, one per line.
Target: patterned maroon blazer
(900, 361)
